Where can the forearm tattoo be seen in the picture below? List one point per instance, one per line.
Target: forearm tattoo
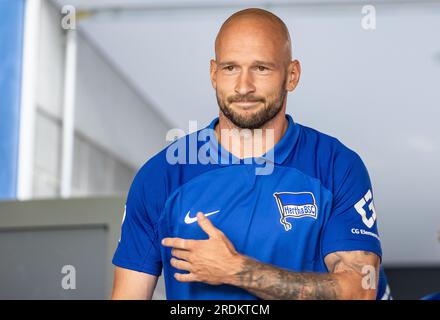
(269, 282)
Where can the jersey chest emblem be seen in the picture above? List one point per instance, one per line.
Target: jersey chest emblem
(295, 205)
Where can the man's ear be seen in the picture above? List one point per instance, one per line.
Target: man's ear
(293, 75)
(213, 71)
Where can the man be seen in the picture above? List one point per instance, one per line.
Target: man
(303, 228)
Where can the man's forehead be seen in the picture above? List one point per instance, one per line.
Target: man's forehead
(247, 51)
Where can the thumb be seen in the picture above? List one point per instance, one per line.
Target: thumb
(206, 225)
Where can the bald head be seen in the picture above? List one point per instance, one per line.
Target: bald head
(255, 22)
(253, 69)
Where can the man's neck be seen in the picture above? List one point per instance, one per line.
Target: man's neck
(246, 143)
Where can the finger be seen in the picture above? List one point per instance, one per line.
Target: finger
(185, 277)
(180, 264)
(185, 244)
(181, 254)
(206, 225)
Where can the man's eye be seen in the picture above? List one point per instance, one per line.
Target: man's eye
(229, 68)
(261, 68)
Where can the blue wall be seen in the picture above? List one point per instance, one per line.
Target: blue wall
(11, 43)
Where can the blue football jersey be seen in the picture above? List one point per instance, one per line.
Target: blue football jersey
(314, 198)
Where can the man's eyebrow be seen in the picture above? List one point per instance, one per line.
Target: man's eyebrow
(265, 63)
(256, 62)
(227, 63)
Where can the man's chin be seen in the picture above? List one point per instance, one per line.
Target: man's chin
(245, 119)
(250, 118)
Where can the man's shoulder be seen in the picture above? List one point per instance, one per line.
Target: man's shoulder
(174, 156)
(326, 158)
(327, 147)
(171, 167)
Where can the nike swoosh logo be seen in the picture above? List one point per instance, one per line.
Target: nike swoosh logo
(189, 219)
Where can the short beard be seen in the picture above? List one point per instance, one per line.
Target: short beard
(257, 120)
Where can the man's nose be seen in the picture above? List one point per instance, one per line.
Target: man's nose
(244, 84)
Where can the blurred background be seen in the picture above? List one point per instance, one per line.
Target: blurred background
(89, 90)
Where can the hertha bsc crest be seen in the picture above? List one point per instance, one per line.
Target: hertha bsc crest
(295, 205)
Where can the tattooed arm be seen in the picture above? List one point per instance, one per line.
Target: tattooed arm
(352, 275)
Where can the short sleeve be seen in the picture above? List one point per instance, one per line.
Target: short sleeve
(138, 247)
(352, 224)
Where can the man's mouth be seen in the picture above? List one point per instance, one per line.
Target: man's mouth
(246, 104)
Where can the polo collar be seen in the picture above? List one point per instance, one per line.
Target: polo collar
(280, 152)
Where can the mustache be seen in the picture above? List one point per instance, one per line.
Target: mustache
(246, 98)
